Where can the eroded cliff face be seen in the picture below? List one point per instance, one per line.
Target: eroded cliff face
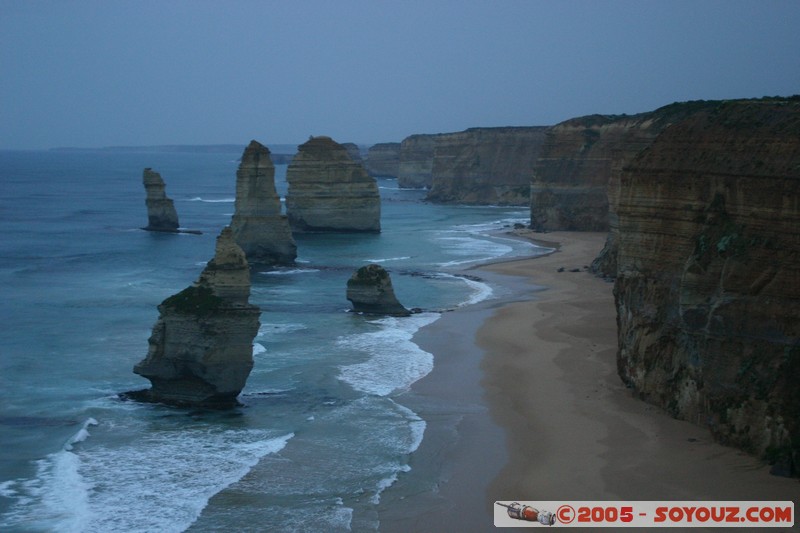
(258, 226)
(485, 166)
(708, 277)
(383, 159)
(201, 348)
(329, 192)
(416, 161)
(161, 213)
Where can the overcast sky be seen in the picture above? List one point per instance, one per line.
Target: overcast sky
(99, 73)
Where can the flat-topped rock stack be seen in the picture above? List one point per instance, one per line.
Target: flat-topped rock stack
(329, 192)
(201, 348)
(258, 226)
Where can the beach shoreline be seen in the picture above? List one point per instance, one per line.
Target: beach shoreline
(524, 404)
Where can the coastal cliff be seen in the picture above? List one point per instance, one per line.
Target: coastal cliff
(416, 161)
(485, 166)
(201, 348)
(329, 192)
(161, 213)
(257, 224)
(383, 159)
(708, 275)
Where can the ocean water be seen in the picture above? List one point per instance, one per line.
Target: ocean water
(321, 431)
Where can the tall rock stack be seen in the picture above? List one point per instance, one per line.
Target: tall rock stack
(258, 226)
(329, 192)
(708, 281)
(201, 347)
(370, 291)
(161, 214)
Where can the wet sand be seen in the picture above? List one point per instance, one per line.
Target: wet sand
(524, 404)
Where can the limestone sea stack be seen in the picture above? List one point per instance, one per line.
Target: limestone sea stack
(370, 291)
(329, 192)
(201, 347)
(161, 214)
(258, 226)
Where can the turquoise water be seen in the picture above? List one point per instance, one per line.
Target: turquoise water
(321, 428)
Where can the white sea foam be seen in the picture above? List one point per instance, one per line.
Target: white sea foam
(214, 201)
(275, 329)
(289, 272)
(258, 349)
(472, 249)
(159, 482)
(388, 259)
(394, 362)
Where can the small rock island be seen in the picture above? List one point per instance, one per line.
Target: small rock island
(370, 291)
(201, 347)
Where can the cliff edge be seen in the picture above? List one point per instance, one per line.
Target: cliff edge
(708, 276)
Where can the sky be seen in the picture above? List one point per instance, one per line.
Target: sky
(95, 73)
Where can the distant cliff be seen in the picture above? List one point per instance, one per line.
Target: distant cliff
(383, 159)
(708, 276)
(485, 166)
(416, 161)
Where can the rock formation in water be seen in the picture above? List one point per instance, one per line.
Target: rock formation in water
(708, 278)
(329, 192)
(201, 347)
(383, 159)
(485, 166)
(258, 225)
(416, 161)
(354, 152)
(161, 214)
(370, 291)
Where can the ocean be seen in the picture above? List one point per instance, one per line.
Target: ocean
(322, 430)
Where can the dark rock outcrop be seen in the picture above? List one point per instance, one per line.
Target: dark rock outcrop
(370, 291)
(258, 226)
(201, 348)
(383, 159)
(329, 192)
(161, 213)
(708, 277)
(485, 166)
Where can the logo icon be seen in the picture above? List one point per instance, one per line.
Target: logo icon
(529, 514)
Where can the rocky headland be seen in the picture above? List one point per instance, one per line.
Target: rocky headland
(329, 192)
(161, 213)
(258, 226)
(707, 284)
(370, 291)
(485, 166)
(201, 348)
(383, 159)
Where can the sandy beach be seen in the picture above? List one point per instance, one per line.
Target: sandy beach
(524, 404)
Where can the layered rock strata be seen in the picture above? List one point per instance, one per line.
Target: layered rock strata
(161, 213)
(485, 166)
(354, 152)
(416, 161)
(258, 226)
(708, 279)
(370, 291)
(201, 348)
(329, 192)
(383, 159)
